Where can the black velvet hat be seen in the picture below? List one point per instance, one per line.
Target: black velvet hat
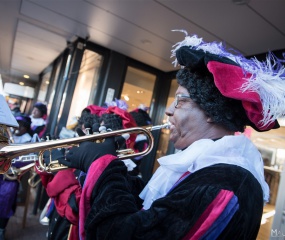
(260, 86)
(42, 107)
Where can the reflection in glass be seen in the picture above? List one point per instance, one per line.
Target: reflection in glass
(138, 88)
(53, 87)
(86, 83)
(164, 146)
(44, 87)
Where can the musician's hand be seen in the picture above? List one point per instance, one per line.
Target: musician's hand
(96, 129)
(88, 129)
(82, 157)
(55, 154)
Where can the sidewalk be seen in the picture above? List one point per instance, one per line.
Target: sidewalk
(32, 230)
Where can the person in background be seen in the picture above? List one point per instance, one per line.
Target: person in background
(121, 104)
(15, 107)
(142, 118)
(213, 187)
(68, 184)
(65, 187)
(23, 133)
(9, 188)
(90, 116)
(39, 119)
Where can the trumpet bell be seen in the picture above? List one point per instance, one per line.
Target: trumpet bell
(5, 135)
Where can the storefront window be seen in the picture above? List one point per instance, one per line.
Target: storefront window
(53, 87)
(138, 88)
(44, 87)
(171, 96)
(164, 146)
(85, 85)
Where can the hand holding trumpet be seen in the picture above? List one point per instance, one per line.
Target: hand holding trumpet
(10, 151)
(82, 157)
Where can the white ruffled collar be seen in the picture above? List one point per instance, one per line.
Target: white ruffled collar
(23, 138)
(37, 121)
(235, 150)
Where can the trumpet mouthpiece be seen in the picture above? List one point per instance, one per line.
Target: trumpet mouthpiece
(158, 127)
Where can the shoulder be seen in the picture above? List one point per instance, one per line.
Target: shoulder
(225, 177)
(27, 137)
(223, 173)
(38, 121)
(222, 176)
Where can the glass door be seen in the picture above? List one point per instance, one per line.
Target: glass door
(85, 86)
(138, 88)
(165, 147)
(44, 87)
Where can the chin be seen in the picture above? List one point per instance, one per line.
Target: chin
(175, 141)
(178, 147)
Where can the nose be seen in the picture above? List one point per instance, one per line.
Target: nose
(170, 110)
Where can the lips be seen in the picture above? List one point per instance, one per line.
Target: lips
(171, 126)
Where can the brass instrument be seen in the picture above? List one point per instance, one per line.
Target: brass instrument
(32, 177)
(9, 152)
(15, 173)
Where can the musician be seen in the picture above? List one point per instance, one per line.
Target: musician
(213, 187)
(65, 188)
(142, 119)
(9, 188)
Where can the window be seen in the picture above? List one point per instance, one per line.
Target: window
(138, 88)
(85, 85)
(44, 87)
(164, 146)
(53, 86)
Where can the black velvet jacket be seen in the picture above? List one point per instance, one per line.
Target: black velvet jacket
(116, 208)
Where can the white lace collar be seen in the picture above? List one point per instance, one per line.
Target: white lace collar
(235, 150)
(37, 121)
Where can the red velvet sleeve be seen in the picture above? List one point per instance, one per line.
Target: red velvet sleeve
(63, 185)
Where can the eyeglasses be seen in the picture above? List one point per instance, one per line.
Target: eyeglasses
(178, 98)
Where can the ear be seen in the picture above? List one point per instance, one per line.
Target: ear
(209, 120)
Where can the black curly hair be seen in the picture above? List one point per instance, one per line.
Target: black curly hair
(112, 121)
(141, 117)
(87, 119)
(226, 112)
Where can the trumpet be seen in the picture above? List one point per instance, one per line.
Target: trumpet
(15, 173)
(31, 180)
(11, 151)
